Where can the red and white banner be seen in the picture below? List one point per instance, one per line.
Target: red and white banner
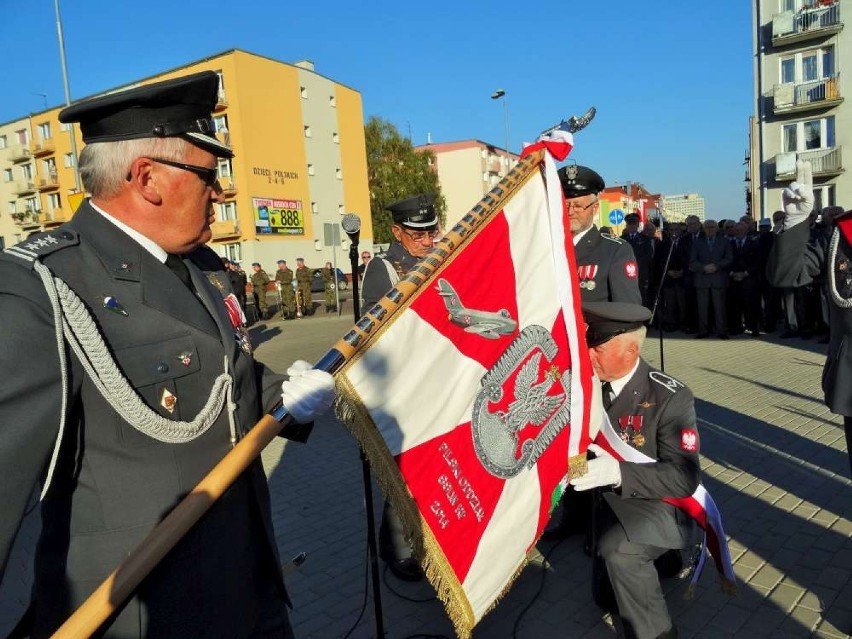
(475, 394)
(700, 505)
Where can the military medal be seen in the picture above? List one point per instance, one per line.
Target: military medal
(639, 440)
(646, 404)
(638, 437)
(185, 358)
(843, 265)
(623, 423)
(586, 274)
(168, 400)
(242, 337)
(112, 304)
(590, 286)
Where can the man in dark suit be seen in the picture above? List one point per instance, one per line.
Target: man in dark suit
(797, 257)
(655, 415)
(153, 384)
(709, 261)
(673, 294)
(691, 235)
(607, 271)
(744, 291)
(643, 250)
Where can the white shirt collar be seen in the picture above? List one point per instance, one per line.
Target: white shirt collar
(619, 384)
(580, 235)
(149, 245)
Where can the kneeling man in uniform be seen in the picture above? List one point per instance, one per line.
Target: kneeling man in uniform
(655, 414)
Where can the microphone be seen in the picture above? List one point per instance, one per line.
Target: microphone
(351, 224)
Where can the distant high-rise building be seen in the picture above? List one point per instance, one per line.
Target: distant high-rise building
(676, 208)
(300, 163)
(799, 99)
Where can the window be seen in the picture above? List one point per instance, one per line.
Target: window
(310, 169)
(2, 141)
(341, 210)
(485, 176)
(31, 204)
(228, 212)
(234, 252)
(787, 5)
(314, 207)
(807, 66)
(808, 135)
(7, 175)
(13, 206)
(823, 196)
(22, 136)
(54, 202)
(221, 77)
(65, 126)
(224, 168)
(221, 123)
(2, 243)
(338, 173)
(44, 131)
(303, 92)
(68, 161)
(788, 71)
(335, 137)
(308, 133)
(48, 168)
(332, 101)
(27, 171)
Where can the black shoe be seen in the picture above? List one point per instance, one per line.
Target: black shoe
(755, 333)
(806, 334)
(702, 335)
(789, 334)
(723, 336)
(406, 569)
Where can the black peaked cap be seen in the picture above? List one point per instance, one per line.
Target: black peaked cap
(608, 319)
(416, 212)
(579, 180)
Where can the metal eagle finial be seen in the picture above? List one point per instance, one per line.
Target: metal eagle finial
(572, 124)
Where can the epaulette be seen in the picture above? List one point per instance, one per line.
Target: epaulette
(39, 246)
(667, 382)
(612, 238)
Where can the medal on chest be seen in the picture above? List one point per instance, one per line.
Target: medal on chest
(631, 430)
(586, 274)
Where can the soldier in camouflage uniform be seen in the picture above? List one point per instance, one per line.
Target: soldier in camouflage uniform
(284, 276)
(303, 282)
(259, 280)
(329, 284)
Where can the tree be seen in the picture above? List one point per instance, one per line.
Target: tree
(396, 171)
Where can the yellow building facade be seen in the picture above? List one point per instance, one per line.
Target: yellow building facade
(300, 163)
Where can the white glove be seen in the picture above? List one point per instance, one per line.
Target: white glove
(797, 199)
(603, 471)
(309, 392)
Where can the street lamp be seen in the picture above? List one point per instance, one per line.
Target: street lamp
(500, 93)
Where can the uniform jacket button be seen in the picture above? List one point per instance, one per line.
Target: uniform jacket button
(634, 494)
(162, 367)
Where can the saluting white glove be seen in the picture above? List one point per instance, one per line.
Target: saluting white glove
(798, 198)
(603, 471)
(308, 393)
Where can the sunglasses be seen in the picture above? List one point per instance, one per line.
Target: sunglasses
(207, 175)
(419, 236)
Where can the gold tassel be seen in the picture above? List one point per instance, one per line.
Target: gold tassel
(689, 593)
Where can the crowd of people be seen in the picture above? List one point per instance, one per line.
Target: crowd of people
(709, 278)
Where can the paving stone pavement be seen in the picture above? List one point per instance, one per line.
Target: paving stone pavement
(773, 458)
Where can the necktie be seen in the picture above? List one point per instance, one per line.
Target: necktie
(175, 263)
(607, 394)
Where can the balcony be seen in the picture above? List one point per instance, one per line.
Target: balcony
(19, 153)
(819, 18)
(221, 101)
(824, 163)
(229, 187)
(23, 187)
(27, 219)
(792, 98)
(43, 147)
(48, 183)
(52, 218)
(225, 229)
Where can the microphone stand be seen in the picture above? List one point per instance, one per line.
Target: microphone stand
(372, 547)
(654, 315)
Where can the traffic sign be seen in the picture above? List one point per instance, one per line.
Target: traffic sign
(616, 216)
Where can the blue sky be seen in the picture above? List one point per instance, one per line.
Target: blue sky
(672, 81)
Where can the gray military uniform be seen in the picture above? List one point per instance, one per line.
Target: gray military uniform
(112, 484)
(656, 415)
(795, 260)
(616, 277)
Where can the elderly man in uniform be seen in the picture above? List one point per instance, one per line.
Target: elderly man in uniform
(303, 287)
(415, 226)
(259, 280)
(152, 385)
(284, 277)
(607, 270)
(796, 258)
(655, 414)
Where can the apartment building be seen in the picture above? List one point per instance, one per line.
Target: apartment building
(800, 88)
(300, 163)
(467, 170)
(676, 208)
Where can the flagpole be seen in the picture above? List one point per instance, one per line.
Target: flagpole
(77, 183)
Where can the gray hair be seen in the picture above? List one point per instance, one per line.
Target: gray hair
(104, 165)
(637, 335)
